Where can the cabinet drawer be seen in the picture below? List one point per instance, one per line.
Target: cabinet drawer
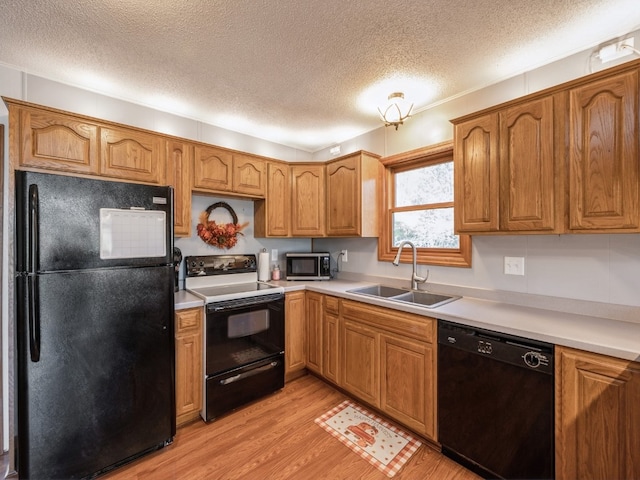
(332, 304)
(414, 326)
(188, 319)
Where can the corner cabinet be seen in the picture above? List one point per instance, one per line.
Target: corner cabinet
(294, 335)
(597, 416)
(352, 196)
(189, 378)
(179, 160)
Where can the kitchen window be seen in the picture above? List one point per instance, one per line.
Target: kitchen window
(418, 206)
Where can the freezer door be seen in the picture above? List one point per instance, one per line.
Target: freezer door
(58, 221)
(102, 388)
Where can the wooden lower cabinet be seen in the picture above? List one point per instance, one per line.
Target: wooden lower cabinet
(384, 358)
(406, 390)
(360, 366)
(597, 416)
(294, 349)
(314, 331)
(331, 339)
(188, 335)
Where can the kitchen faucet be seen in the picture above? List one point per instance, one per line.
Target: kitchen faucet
(415, 279)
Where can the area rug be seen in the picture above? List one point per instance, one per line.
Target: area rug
(383, 445)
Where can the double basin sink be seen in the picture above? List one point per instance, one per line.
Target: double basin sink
(401, 295)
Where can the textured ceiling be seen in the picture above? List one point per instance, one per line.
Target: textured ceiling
(303, 73)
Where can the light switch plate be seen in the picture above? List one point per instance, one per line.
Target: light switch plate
(514, 265)
(274, 254)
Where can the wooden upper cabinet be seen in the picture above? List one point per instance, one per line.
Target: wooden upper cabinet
(249, 175)
(476, 173)
(272, 216)
(530, 167)
(179, 159)
(212, 169)
(131, 155)
(226, 171)
(597, 416)
(54, 141)
(352, 196)
(307, 200)
(603, 155)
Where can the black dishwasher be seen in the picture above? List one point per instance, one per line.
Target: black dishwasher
(496, 402)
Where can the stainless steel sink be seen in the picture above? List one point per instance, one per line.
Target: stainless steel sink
(379, 291)
(426, 299)
(414, 297)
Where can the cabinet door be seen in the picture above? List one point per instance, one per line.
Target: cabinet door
(188, 364)
(56, 142)
(307, 216)
(476, 174)
(331, 347)
(598, 424)
(272, 216)
(528, 170)
(212, 169)
(249, 175)
(179, 159)
(603, 154)
(314, 331)
(131, 155)
(360, 366)
(294, 351)
(407, 383)
(343, 197)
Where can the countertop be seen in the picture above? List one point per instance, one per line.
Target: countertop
(607, 336)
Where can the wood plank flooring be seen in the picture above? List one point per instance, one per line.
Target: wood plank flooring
(273, 439)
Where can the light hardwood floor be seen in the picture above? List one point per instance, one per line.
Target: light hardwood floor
(276, 438)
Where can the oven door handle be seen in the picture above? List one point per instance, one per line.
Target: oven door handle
(248, 374)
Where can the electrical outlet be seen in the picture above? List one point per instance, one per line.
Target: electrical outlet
(514, 265)
(345, 259)
(274, 254)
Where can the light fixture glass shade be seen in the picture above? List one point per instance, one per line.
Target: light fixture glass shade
(396, 111)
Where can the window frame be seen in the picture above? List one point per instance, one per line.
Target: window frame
(422, 157)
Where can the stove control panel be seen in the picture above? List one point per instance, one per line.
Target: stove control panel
(198, 266)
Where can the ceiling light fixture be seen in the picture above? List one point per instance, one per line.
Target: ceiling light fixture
(396, 111)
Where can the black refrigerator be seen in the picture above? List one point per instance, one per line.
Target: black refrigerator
(95, 306)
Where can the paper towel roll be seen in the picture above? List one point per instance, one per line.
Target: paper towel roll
(263, 266)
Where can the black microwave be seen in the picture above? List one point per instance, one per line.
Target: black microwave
(308, 266)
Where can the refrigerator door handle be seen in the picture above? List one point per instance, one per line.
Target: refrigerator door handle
(34, 230)
(34, 318)
(33, 265)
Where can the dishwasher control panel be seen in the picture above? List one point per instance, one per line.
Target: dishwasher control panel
(518, 351)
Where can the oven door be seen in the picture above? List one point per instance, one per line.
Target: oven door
(243, 331)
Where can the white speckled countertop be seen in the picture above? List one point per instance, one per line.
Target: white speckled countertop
(608, 336)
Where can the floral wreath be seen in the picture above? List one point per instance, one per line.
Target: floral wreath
(218, 235)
